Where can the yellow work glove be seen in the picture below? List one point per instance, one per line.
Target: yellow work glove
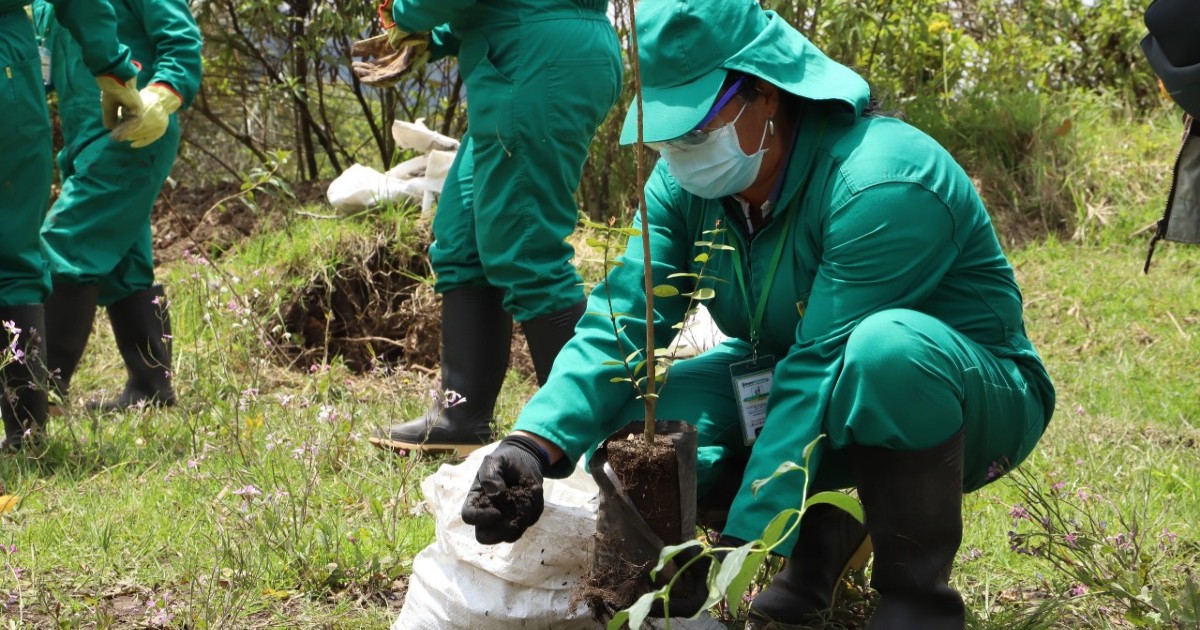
(119, 100)
(159, 101)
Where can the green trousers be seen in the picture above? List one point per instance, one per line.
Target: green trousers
(907, 382)
(98, 231)
(25, 161)
(538, 91)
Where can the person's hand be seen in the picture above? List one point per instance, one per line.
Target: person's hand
(389, 57)
(159, 101)
(119, 100)
(506, 497)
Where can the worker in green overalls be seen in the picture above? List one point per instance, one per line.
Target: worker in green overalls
(97, 234)
(867, 298)
(540, 76)
(25, 173)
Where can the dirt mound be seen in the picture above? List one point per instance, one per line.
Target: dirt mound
(374, 310)
(213, 217)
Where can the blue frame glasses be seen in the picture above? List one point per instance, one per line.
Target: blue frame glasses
(699, 134)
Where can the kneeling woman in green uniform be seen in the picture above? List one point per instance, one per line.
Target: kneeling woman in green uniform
(865, 279)
(97, 234)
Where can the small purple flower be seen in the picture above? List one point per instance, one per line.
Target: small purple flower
(1071, 539)
(1079, 590)
(995, 470)
(249, 491)
(1018, 512)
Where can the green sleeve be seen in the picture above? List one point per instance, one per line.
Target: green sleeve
(419, 16)
(94, 25)
(443, 43)
(176, 39)
(578, 406)
(888, 247)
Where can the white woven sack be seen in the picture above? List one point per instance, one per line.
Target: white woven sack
(459, 584)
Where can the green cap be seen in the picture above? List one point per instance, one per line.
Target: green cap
(687, 47)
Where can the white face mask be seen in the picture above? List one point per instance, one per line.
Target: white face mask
(716, 167)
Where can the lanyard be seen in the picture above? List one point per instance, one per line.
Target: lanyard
(761, 305)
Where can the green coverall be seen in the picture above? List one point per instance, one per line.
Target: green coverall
(895, 318)
(540, 76)
(25, 143)
(98, 231)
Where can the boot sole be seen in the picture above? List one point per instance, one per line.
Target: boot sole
(398, 446)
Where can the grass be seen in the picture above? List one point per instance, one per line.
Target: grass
(257, 502)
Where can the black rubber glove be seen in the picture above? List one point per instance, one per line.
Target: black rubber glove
(506, 497)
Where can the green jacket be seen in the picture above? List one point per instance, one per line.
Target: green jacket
(881, 217)
(451, 20)
(92, 23)
(162, 36)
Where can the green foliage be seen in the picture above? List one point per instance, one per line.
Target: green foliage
(1103, 549)
(731, 570)
(606, 237)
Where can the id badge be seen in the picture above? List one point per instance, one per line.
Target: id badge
(752, 385)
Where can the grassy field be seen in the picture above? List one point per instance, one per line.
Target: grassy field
(257, 502)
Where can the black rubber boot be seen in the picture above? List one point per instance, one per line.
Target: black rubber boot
(476, 337)
(913, 504)
(141, 324)
(70, 314)
(831, 542)
(547, 334)
(23, 376)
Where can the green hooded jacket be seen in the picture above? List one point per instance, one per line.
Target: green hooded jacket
(881, 218)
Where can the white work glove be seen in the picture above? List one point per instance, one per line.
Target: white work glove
(159, 101)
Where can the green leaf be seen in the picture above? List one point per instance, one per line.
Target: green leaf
(702, 294)
(779, 527)
(684, 275)
(633, 355)
(811, 445)
(595, 242)
(784, 468)
(839, 500)
(662, 352)
(669, 552)
(612, 362)
(723, 247)
(619, 379)
(665, 291)
(702, 258)
(641, 608)
(737, 571)
(704, 243)
(628, 231)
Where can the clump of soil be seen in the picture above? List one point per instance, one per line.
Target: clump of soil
(650, 476)
(371, 310)
(612, 585)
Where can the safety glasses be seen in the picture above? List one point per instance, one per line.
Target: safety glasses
(699, 134)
